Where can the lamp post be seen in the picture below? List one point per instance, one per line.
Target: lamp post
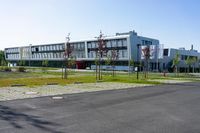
(30, 53)
(66, 54)
(138, 46)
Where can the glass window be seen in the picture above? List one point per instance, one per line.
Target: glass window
(89, 45)
(165, 52)
(114, 44)
(120, 53)
(108, 44)
(93, 44)
(124, 43)
(119, 43)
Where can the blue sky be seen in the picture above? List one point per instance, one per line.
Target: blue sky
(175, 23)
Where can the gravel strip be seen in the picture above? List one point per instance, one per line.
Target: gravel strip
(11, 93)
(170, 81)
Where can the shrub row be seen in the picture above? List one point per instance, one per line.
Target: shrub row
(5, 69)
(21, 69)
(8, 69)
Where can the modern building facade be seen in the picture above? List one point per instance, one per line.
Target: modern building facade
(85, 52)
(170, 53)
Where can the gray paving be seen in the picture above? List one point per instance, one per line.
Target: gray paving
(158, 109)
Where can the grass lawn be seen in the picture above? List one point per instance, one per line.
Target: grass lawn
(37, 78)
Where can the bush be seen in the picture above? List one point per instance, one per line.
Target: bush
(21, 69)
(5, 69)
(1, 68)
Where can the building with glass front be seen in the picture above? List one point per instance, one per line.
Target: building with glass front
(85, 52)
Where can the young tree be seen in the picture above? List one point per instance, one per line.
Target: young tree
(101, 52)
(45, 64)
(198, 61)
(22, 63)
(194, 61)
(147, 55)
(96, 62)
(71, 63)
(175, 62)
(188, 62)
(114, 58)
(67, 54)
(2, 59)
(108, 62)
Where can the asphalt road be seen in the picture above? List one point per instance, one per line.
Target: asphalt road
(158, 109)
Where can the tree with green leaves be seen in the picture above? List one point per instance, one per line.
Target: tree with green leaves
(114, 58)
(175, 62)
(188, 62)
(147, 54)
(194, 61)
(101, 51)
(45, 64)
(2, 58)
(22, 63)
(71, 62)
(198, 61)
(96, 62)
(108, 62)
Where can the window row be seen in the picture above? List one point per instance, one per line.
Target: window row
(146, 42)
(13, 56)
(120, 54)
(192, 58)
(48, 55)
(48, 48)
(12, 50)
(109, 43)
(78, 46)
(79, 54)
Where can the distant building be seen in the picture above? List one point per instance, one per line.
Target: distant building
(85, 51)
(170, 53)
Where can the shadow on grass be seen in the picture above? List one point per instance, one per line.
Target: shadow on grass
(15, 118)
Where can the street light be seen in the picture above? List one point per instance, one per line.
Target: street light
(30, 53)
(138, 46)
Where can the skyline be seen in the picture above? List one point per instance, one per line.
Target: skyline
(174, 23)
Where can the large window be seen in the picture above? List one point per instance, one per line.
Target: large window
(146, 42)
(114, 43)
(119, 43)
(124, 43)
(108, 44)
(165, 52)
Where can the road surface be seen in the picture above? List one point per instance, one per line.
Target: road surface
(158, 109)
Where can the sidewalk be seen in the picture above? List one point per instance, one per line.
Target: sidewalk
(11, 93)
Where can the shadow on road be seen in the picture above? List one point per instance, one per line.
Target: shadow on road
(14, 118)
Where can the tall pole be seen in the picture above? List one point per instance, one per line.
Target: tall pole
(157, 54)
(129, 63)
(138, 61)
(30, 54)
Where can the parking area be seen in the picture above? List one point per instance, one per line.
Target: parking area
(173, 108)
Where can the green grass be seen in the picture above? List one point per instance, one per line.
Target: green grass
(40, 78)
(43, 81)
(127, 79)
